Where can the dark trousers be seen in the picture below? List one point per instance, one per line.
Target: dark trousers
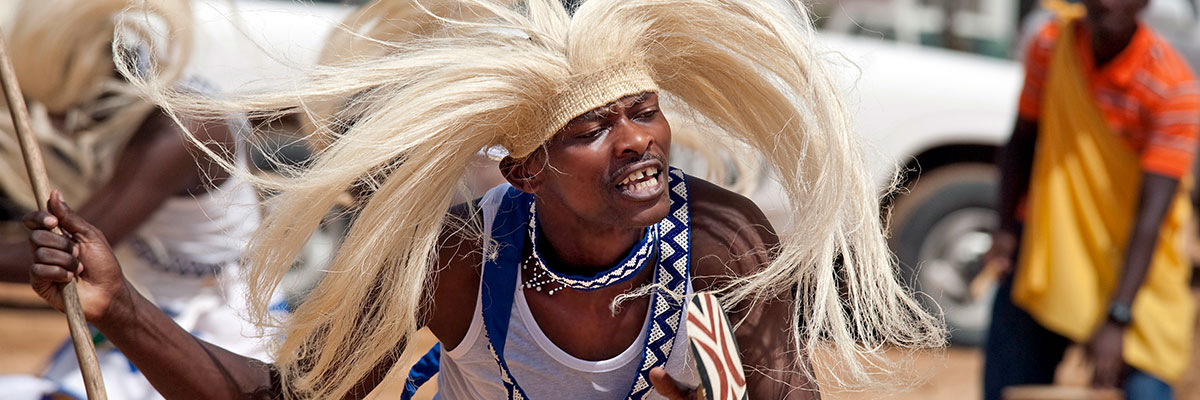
(1019, 351)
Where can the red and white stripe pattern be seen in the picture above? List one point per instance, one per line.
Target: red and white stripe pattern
(715, 350)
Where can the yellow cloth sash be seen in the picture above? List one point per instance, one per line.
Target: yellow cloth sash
(1083, 196)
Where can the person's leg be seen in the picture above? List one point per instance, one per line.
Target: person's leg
(1018, 350)
(1142, 386)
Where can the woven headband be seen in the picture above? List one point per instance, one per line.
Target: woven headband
(585, 93)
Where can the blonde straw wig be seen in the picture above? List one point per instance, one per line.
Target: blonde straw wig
(63, 55)
(503, 73)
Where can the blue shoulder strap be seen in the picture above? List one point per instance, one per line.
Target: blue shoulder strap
(425, 368)
(497, 288)
(500, 271)
(499, 283)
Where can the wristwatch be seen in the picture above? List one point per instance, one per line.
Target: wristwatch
(1120, 313)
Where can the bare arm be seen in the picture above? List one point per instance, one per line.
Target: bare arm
(176, 363)
(158, 163)
(179, 365)
(1157, 193)
(1016, 166)
(1107, 343)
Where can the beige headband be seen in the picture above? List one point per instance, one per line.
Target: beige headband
(585, 93)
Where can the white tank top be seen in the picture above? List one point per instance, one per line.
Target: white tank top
(543, 369)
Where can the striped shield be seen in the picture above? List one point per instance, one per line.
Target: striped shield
(713, 346)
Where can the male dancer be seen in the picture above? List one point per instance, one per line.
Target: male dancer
(571, 281)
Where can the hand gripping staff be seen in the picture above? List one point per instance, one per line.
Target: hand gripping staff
(80, 335)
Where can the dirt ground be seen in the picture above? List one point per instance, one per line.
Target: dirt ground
(29, 332)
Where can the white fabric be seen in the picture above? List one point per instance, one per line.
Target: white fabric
(543, 369)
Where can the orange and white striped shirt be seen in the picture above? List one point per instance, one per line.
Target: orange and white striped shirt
(1148, 94)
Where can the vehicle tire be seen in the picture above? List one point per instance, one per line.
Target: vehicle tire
(940, 231)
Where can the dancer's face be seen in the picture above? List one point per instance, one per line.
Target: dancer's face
(608, 166)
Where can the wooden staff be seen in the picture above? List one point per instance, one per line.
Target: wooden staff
(80, 336)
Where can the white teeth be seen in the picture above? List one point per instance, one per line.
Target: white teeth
(648, 172)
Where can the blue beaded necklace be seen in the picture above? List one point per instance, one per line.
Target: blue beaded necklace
(541, 277)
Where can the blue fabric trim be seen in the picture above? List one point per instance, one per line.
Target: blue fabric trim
(500, 272)
(499, 281)
(62, 348)
(283, 306)
(422, 371)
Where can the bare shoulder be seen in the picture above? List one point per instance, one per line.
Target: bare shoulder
(730, 235)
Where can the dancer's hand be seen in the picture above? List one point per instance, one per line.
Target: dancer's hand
(1106, 349)
(666, 386)
(82, 251)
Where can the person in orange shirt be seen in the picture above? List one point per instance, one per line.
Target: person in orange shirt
(1090, 220)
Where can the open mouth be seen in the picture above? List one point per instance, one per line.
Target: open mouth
(642, 181)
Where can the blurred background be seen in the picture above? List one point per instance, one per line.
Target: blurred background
(934, 85)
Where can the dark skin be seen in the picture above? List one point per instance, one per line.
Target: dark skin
(1112, 25)
(157, 163)
(730, 237)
